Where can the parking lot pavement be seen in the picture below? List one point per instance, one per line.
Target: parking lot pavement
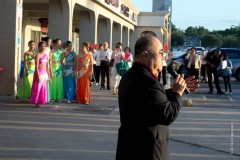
(77, 131)
(201, 98)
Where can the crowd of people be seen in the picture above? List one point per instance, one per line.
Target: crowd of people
(205, 68)
(57, 73)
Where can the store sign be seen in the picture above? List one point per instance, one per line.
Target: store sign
(134, 17)
(44, 25)
(113, 2)
(125, 10)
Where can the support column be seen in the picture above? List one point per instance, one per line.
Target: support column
(125, 37)
(10, 44)
(87, 27)
(104, 31)
(165, 40)
(131, 41)
(116, 34)
(60, 20)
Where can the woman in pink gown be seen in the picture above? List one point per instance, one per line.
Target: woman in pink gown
(40, 78)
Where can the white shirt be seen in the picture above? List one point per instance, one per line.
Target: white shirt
(202, 59)
(47, 51)
(131, 59)
(94, 56)
(98, 58)
(103, 54)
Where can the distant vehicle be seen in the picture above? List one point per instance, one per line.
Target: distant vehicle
(199, 50)
(176, 54)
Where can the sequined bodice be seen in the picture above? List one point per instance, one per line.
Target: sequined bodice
(30, 58)
(56, 56)
(43, 60)
(70, 57)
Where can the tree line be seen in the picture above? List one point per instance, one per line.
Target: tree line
(228, 38)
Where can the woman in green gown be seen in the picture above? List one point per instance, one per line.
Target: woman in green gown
(56, 83)
(25, 88)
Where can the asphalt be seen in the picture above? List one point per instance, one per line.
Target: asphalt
(78, 131)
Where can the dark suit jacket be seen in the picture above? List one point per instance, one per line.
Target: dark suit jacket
(146, 111)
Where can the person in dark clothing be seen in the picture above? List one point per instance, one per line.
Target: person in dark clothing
(213, 60)
(185, 60)
(146, 109)
(104, 56)
(164, 70)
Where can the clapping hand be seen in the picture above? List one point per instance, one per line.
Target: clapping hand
(192, 84)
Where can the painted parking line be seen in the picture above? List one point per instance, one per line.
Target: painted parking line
(204, 98)
(230, 98)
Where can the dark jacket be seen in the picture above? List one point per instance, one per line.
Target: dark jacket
(146, 111)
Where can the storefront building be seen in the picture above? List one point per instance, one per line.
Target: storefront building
(95, 21)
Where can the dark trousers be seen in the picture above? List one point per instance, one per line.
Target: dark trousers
(104, 69)
(213, 71)
(227, 82)
(97, 68)
(164, 72)
(203, 71)
(194, 72)
(94, 73)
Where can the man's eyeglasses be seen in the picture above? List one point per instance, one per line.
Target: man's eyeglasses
(160, 53)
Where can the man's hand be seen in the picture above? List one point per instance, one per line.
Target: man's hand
(212, 66)
(179, 84)
(192, 84)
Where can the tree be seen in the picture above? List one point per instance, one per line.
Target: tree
(211, 41)
(177, 30)
(230, 41)
(191, 31)
(202, 31)
(177, 39)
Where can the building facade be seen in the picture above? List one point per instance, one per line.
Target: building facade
(95, 21)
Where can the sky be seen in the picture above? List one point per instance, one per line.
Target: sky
(211, 14)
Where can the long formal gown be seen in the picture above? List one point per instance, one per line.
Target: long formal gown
(69, 82)
(39, 89)
(48, 87)
(56, 83)
(83, 81)
(26, 85)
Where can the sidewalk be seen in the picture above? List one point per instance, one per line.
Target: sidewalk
(77, 131)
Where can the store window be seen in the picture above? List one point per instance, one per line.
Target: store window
(75, 39)
(37, 36)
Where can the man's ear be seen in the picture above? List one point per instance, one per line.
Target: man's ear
(144, 55)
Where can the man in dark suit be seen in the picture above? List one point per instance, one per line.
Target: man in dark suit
(146, 109)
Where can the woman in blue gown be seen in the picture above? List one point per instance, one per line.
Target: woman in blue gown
(69, 81)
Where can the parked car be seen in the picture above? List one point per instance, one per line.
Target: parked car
(199, 50)
(176, 54)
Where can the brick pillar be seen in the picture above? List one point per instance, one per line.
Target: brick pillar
(10, 44)
(60, 20)
(87, 27)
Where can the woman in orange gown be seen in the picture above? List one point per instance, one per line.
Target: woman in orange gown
(84, 75)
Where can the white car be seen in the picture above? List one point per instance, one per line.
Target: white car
(199, 50)
(176, 54)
